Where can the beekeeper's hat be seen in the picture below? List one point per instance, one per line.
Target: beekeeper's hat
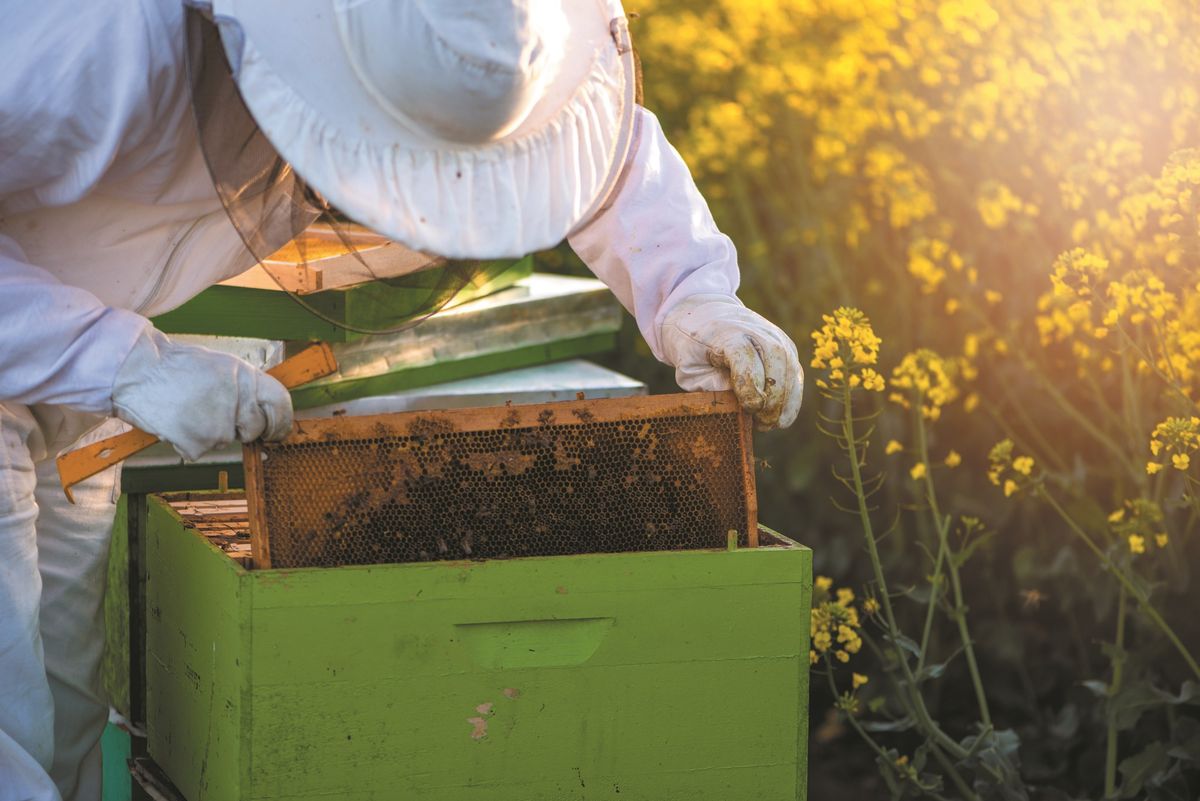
(465, 128)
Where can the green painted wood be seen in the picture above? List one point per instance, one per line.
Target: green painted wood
(196, 680)
(453, 370)
(115, 665)
(180, 478)
(273, 314)
(645, 676)
(115, 751)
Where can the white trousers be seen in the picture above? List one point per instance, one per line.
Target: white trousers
(53, 565)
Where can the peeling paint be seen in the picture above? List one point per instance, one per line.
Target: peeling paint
(479, 730)
(485, 709)
(512, 692)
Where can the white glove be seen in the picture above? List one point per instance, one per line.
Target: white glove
(714, 341)
(198, 399)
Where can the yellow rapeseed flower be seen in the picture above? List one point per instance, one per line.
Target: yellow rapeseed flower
(893, 446)
(846, 348)
(953, 459)
(917, 471)
(1176, 437)
(1077, 272)
(1137, 522)
(930, 380)
(858, 680)
(1006, 471)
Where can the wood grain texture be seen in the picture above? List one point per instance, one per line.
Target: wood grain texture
(260, 540)
(746, 434)
(530, 415)
(83, 463)
(315, 361)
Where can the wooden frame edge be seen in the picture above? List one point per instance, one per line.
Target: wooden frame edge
(531, 415)
(746, 440)
(260, 543)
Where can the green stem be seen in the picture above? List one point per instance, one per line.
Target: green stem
(1118, 667)
(1194, 501)
(963, 788)
(883, 755)
(942, 524)
(885, 599)
(1126, 583)
(1043, 449)
(935, 588)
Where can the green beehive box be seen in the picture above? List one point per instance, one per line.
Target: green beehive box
(647, 676)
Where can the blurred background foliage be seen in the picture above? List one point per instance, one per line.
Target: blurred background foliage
(930, 162)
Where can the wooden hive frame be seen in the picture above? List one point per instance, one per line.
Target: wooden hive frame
(509, 417)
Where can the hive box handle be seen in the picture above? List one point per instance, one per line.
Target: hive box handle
(533, 643)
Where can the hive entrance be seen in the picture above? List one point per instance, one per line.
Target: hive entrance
(633, 474)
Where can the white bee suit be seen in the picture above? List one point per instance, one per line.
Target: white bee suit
(107, 216)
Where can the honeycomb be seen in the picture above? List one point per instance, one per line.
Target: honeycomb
(634, 474)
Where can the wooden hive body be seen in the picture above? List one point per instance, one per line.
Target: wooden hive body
(647, 676)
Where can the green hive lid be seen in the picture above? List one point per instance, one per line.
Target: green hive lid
(255, 311)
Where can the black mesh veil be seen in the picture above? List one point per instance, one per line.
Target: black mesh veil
(270, 204)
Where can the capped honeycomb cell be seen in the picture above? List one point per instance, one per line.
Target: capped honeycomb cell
(662, 473)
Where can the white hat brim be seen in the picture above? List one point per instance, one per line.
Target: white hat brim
(522, 192)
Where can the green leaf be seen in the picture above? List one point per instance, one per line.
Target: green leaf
(931, 671)
(907, 643)
(1171, 785)
(960, 558)
(1132, 701)
(888, 772)
(903, 724)
(1185, 745)
(1139, 769)
(1189, 693)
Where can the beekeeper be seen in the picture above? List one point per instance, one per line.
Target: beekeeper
(466, 128)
